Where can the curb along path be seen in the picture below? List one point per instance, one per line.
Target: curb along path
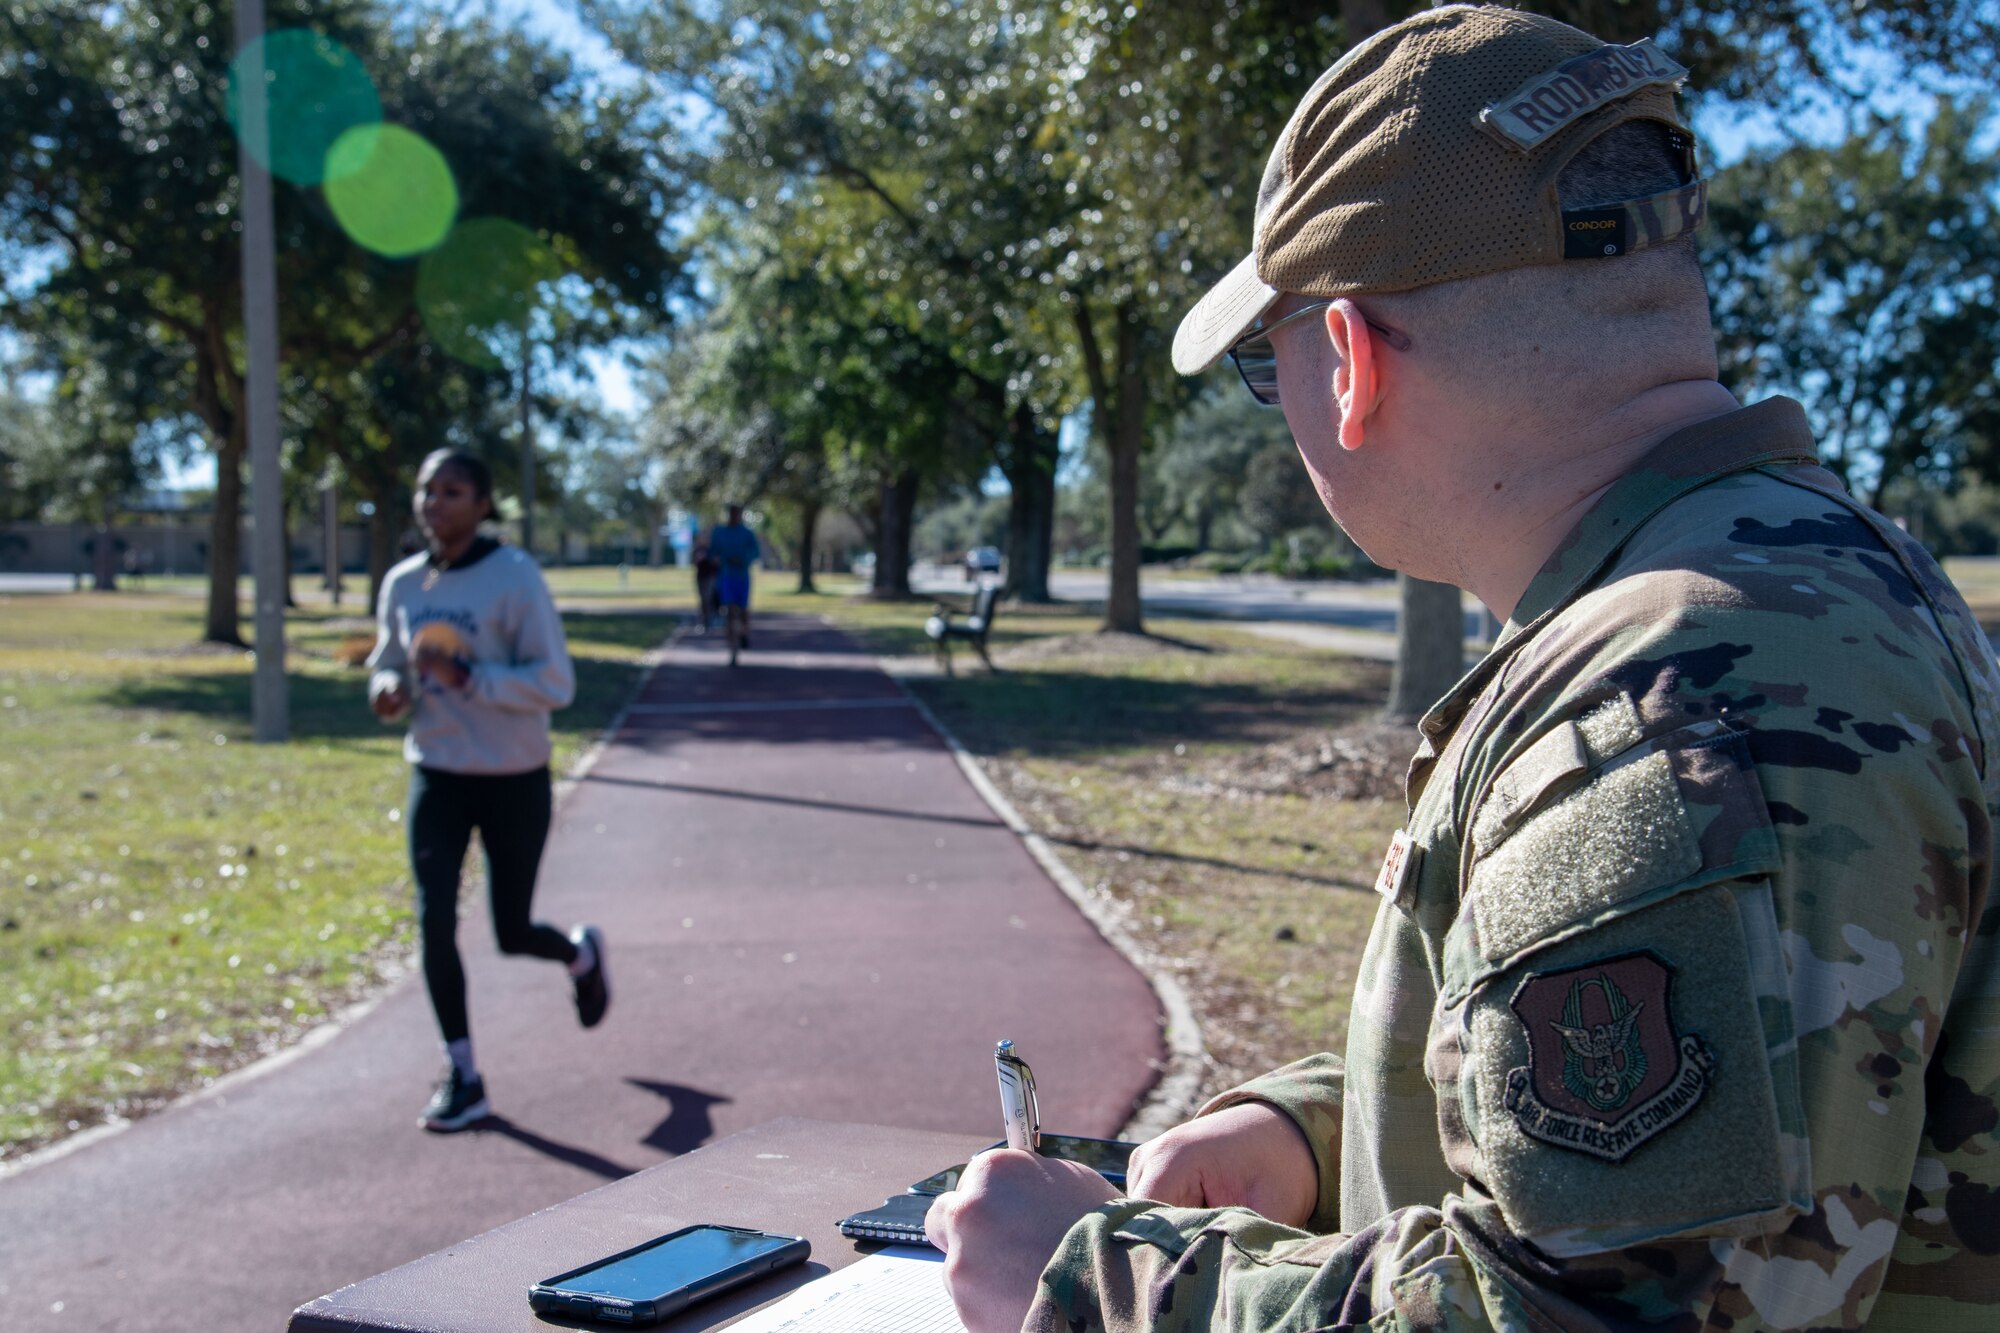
(1173, 1099)
(809, 910)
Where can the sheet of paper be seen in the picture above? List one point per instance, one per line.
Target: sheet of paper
(896, 1291)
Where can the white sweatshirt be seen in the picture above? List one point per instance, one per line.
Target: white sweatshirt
(493, 612)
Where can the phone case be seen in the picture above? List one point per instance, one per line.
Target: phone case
(899, 1221)
(549, 1297)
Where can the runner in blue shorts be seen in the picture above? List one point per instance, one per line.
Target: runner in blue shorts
(734, 548)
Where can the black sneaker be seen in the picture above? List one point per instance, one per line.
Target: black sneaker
(457, 1103)
(593, 988)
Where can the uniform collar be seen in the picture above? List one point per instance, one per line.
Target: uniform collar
(1772, 431)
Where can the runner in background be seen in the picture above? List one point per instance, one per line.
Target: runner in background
(734, 548)
(705, 567)
(470, 650)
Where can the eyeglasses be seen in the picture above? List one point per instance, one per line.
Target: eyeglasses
(1257, 363)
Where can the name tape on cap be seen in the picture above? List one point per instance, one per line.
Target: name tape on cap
(1527, 117)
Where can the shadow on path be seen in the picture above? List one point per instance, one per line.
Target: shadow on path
(561, 1152)
(838, 807)
(1055, 713)
(1090, 845)
(688, 1124)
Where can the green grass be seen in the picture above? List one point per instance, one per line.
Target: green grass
(1979, 582)
(1261, 903)
(175, 900)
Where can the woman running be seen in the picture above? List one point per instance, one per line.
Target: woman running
(471, 650)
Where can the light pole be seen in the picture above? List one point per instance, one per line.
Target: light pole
(269, 707)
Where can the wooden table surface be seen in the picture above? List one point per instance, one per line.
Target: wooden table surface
(797, 1177)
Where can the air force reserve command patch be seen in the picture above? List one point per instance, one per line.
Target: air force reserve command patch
(1607, 1070)
(1577, 87)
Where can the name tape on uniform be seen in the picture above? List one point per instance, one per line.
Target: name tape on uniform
(1399, 868)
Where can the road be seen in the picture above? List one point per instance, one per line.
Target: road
(1354, 618)
(30, 583)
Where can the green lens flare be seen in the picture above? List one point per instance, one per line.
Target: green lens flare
(479, 289)
(316, 90)
(390, 190)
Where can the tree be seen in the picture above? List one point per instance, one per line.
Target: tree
(1062, 181)
(27, 481)
(1018, 179)
(1205, 460)
(1145, 119)
(917, 199)
(802, 389)
(1275, 500)
(1862, 278)
(1782, 52)
(78, 457)
(120, 171)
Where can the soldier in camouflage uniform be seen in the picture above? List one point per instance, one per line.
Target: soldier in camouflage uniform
(1677, 1009)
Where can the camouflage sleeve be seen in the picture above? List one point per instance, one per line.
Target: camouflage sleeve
(1309, 1091)
(1132, 1265)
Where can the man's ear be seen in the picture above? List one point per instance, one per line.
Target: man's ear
(1358, 382)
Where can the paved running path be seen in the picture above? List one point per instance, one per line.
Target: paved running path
(810, 912)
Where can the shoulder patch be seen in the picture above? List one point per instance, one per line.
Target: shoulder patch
(1607, 1070)
(1526, 118)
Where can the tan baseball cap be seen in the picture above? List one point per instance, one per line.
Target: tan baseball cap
(1430, 152)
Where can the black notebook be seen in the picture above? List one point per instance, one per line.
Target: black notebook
(899, 1221)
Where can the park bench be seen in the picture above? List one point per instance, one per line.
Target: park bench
(972, 625)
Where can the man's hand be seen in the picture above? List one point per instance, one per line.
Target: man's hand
(1251, 1155)
(1001, 1226)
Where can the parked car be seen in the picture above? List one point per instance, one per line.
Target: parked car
(981, 560)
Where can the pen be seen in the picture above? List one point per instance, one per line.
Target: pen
(1018, 1109)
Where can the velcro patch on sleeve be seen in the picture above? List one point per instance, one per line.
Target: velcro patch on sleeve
(1619, 1089)
(1528, 116)
(1618, 837)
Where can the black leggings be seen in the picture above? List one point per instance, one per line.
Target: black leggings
(511, 812)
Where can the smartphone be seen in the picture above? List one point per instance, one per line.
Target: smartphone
(649, 1282)
(1107, 1157)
